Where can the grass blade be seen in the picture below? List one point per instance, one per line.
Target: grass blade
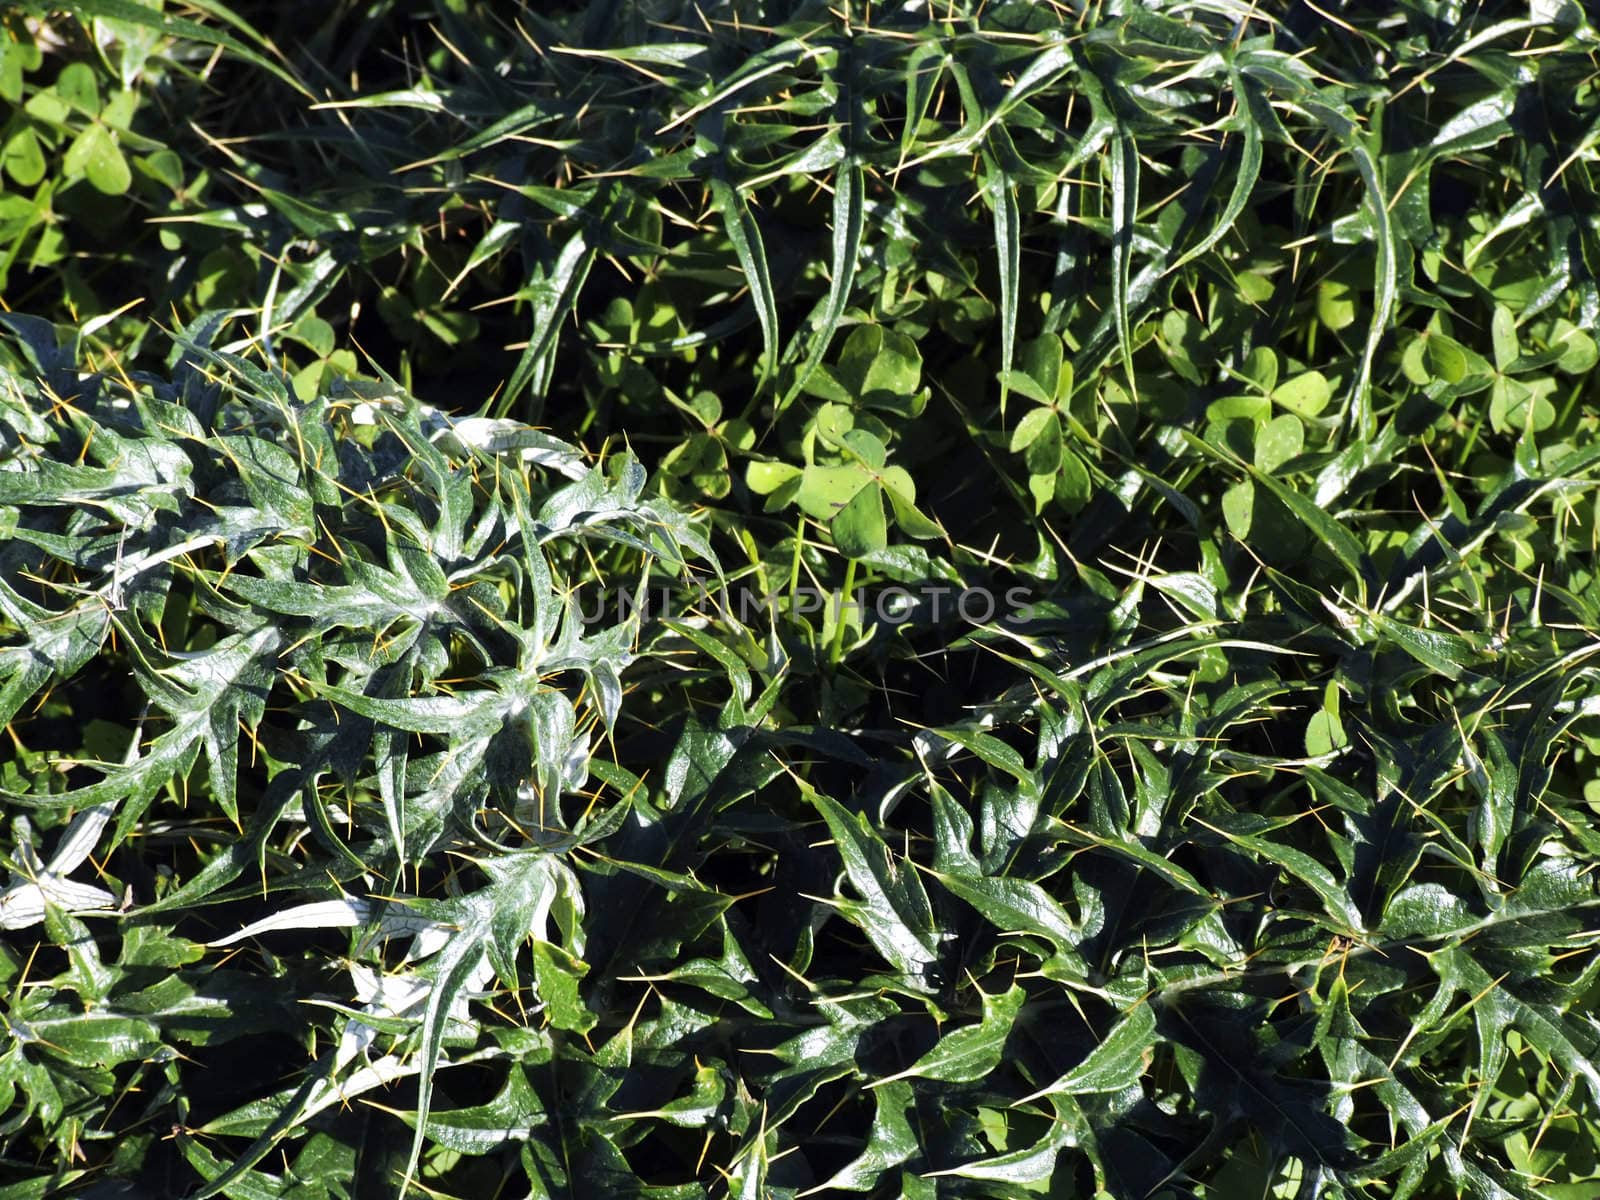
(745, 234)
(1002, 196)
(1124, 212)
(1244, 181)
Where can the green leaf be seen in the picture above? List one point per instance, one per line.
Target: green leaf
(1044, 453)
(1336, 899)
(825, 490)
(908, 518)
(1114, 1064)
(457, 965)
(1276, 69)
(556, 974)
(1446, 653)
(1306, 395)
(1578, 351)
(882, 368)
(1124, 209)
(765, 478)
(1244, 179)
(1042, 376)
(1073, 487)
(1031, 1164)
(973, 1051)
(848, 214)
(78, 87)
(891, 1140)
(859, 528)
(1002, 197)
(22, 158)
(130, 12)
(1503, 335)
(745, 234)
(1325, 731)
(105, 165)
(894, 911)
(514, 1114)
(1278, 441)
(1325, 529)
(1336, 305)
(1238, 508)
(1015, 906)
(93, 1040)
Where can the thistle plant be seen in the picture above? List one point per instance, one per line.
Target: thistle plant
(354, 850)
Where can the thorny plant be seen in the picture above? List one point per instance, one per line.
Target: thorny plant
(1255, 341)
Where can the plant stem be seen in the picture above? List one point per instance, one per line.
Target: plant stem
(838, 619)
(794, 567)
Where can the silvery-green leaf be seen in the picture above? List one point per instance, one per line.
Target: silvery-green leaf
(346, 912)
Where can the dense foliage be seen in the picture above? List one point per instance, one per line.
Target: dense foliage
(754, 599)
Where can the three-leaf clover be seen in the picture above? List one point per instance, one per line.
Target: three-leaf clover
(1054, 472)
(847, 490)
